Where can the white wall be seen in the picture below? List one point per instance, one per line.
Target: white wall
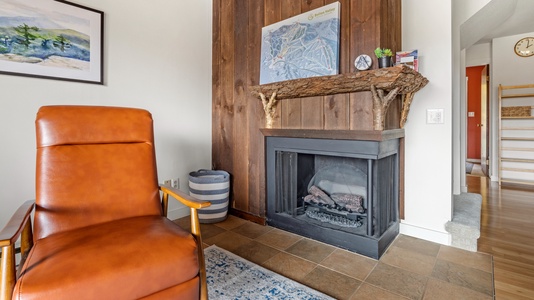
(507, 69)
(157, 57)
(478, 55)
(434, 153)
(428, 183)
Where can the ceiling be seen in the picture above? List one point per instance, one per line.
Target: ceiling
(512, 19)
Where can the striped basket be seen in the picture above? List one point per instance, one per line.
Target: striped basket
(213, 186)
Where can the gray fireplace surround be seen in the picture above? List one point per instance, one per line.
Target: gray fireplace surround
(316, 182)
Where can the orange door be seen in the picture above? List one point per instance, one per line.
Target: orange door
(474, 75)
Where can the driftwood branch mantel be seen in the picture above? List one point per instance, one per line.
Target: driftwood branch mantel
(400, 80)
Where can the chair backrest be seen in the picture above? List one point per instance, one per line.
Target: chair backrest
(94, 164)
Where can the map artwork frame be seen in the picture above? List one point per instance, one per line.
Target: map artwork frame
(306, 45)
(52, 39)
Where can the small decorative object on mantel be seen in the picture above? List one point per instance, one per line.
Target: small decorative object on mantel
(363, 62)
(384, 57)
(408, 58)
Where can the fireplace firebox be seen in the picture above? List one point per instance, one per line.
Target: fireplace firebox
(343, 192)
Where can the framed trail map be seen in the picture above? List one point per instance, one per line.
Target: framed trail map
(303, 46)
(51, 39)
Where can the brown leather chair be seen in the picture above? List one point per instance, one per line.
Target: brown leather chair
(100, 230)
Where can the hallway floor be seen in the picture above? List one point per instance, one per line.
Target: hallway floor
(507, 232)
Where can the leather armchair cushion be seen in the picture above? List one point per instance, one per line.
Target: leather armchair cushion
(83, 185)
(74, 125)
(57, 266)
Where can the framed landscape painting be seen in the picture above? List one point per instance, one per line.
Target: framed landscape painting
(51, 39)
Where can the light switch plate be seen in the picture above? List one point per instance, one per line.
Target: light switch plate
(434, 116)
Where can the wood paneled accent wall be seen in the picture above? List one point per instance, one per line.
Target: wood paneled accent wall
(238, 144)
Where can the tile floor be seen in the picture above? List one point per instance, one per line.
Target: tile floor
(410, 269)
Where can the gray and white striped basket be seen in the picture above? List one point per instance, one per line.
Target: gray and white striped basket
(213, 186)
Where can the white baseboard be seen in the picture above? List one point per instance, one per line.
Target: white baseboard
(178, 213)
(439, 237)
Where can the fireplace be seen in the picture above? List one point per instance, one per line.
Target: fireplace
(341, 191)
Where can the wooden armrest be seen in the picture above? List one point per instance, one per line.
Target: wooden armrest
(184, 198)
(19, 225)
(193, 204)
(11, 232)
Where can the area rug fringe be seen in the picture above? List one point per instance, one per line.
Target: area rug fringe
(232, 277)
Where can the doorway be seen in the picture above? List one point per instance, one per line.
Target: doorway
(477, 80)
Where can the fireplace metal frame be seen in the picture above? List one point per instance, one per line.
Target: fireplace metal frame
(378, 154)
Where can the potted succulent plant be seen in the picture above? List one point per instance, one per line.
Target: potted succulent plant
(384, 57)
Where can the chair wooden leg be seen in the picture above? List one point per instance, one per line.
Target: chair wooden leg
(7, 272)
(195, 230)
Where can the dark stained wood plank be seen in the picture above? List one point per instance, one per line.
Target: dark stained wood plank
(216, 137)
(402, 168)
(395, 14)
(291, 109)
(365, 29)
(390, 17)
(240, 89)
(361, 111)
(226, 105)
(336, 108)
(392, 120)
(273, 14)
(256, 184)
(312, 112)
(336, 112)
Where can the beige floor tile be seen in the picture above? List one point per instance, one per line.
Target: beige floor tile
(311, 250)
(231, 222)
(349, 263)
(209, 230)
(228, 240)
(417, 245)
(370, 292)
(252, 230)
(331, 283)
(409, 260)
(290, 266)
(256, 252)
(279, 239)
(466, 277)
(441, 290)
(399, 281)
(481, 261)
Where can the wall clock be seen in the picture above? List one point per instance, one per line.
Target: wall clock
(363, 62)
(525, 47)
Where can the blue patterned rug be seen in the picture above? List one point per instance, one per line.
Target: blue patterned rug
(232, 277)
